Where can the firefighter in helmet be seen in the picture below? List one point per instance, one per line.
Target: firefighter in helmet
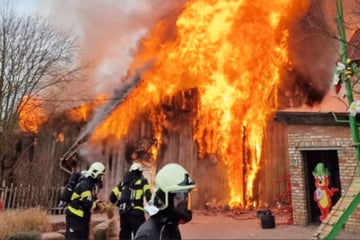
(129, 196)
(169, 204)
(83, 201)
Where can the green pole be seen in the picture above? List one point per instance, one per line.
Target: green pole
(354, 131)
(346, 80)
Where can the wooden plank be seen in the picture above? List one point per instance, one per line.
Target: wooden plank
(337, 213)
(345, 203)
(352, 194)
(354, 186)
(354, 189)
(355, 183)
(334, 218)
(326, 226)
(325, 231)
(336, 206)
(332, 222)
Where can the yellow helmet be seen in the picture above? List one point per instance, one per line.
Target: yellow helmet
(96, 170)
(135, 167)
(172, 178)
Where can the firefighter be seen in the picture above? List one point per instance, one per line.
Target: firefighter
(70, 184)
(169, 204)
(83, 201)
(129, 196)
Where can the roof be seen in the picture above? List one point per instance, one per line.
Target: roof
(313, 118)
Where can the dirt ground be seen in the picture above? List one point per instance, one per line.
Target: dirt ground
(238, 225)
(247, 226)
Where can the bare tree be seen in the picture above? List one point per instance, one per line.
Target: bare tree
(33, 58)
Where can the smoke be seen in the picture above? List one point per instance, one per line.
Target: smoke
(314, 51)
(117, 99)
(109, 32)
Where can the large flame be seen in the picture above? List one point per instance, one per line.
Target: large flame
(31, 114)
(231, 51)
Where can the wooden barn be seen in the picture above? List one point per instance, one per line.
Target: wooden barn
(209, 172)
(41, 157)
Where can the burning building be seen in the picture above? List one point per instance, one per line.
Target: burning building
(202, 90)
(212, 87)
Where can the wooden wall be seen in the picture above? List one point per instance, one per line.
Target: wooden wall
(210, 173)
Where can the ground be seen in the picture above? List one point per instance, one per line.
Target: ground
(236, 225)
(225, 226)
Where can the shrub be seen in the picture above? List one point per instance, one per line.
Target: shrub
(20, 221)
(32, 235)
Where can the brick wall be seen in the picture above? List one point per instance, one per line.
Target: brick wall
(303, 137)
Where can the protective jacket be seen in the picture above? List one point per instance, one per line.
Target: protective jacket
(78, 213)
(159, 227)
(83, 199)
(139, 187)
(131, 207)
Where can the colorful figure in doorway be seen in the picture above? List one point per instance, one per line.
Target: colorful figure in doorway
(323, 192)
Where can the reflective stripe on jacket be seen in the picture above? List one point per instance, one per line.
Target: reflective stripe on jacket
(83, 199)
(140, 189)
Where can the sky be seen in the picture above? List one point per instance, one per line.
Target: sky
(43, 6)
(108, 38)
(23, 6)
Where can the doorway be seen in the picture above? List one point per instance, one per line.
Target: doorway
(330, 159)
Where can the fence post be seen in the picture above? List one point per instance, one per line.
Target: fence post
(12, 195)
(1, 196)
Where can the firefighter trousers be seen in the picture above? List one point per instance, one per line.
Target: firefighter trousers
(130, 223)
(76, 227)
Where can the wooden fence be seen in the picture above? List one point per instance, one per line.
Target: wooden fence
(21, 197)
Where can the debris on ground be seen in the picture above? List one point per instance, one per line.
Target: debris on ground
(282, 214)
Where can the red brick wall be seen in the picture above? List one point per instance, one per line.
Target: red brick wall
(303, 137)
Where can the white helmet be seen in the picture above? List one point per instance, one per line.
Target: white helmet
(135, 167)
(96, 170)
(172, 178)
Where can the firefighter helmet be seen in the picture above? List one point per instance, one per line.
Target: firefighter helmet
(172, 178)
(135, 167)
(96, 170)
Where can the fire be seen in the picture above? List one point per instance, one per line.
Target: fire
(84, 111)
(31, 115)
(60, 137)
(231, 51)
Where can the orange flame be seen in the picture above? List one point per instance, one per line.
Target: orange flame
(231, 51)
(60, 137)
(84, 111)
(31, 115)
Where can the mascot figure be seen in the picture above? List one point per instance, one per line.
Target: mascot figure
(323, 193)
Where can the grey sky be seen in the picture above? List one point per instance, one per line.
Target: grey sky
(23, 6)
